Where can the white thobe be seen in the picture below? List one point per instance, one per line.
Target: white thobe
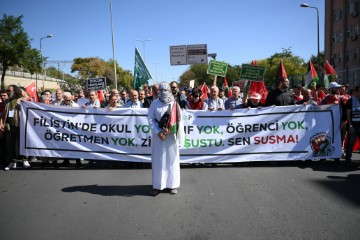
(165, 155)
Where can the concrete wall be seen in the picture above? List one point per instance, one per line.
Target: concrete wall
(23, 82)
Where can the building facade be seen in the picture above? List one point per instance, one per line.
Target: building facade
(342, 40)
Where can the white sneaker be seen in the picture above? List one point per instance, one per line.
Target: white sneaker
(10, 166)
(26, 164)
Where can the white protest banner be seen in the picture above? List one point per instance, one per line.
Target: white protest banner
(271, 133)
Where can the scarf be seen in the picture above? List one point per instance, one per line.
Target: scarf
(165, 95)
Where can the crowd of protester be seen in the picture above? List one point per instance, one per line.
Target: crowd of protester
(188, 98)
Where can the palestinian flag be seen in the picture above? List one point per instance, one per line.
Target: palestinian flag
(311, 76)
(330, 74)
(281, 73)
(226, 86)
(174, 119)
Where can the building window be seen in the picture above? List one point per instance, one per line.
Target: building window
(340, 58)
(356, 53)
(354, 8)
(348, 32)
(348, 55)
(337, 15)
(333, 59)
(356, 29)
(341, 37)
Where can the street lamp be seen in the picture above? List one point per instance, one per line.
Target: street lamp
(155, 63)
(113, 47)
(143, 41)
(42, 69)
(212, 55)
(305, 5)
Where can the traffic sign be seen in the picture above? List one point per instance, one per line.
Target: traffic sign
(217, 68)
(178, 55)
(197, 54)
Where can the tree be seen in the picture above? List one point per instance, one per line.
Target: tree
(197, 72)
(15, 48)
(124, 77)
(318, 62)
(186, 77)
(53, 72)
(95, 67)
(232, 75)
(89, 67)
(294, 65)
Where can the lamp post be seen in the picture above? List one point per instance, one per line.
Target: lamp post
(155, 64)
(305, 5)
(143, 42)
(42, 69)
(212, 55)
(113, 47)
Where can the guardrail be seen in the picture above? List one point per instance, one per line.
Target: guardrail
(32, 76)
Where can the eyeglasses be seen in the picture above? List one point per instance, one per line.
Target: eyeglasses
(173, 87)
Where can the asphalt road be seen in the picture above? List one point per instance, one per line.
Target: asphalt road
(278, 200)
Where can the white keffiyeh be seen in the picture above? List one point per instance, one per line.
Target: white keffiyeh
(165, 95)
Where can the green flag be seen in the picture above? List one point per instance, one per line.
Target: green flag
(141, 73)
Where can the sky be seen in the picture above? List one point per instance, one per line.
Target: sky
(237, 31)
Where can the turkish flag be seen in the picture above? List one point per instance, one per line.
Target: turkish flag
(258, 87)
(204, 90)
(32, 92)
(101, 96)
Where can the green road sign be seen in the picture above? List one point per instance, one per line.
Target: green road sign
(251, 72)
(217, 68)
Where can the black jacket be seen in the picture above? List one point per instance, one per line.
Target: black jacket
(280, 98)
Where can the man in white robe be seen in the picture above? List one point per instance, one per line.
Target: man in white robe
(165, 155)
